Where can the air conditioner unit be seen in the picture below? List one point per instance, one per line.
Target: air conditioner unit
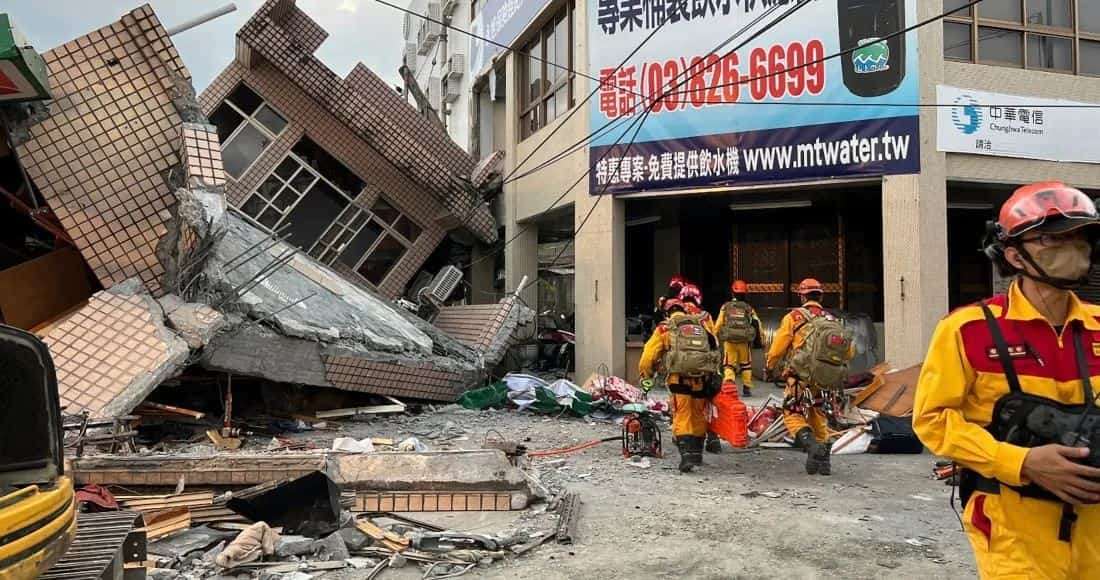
(425, 41)
(435, 17)
(451, 91)
(455, 68)
(443, 285)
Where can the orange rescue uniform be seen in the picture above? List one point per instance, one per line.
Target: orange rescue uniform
(961, 380)
(688, 406)
(736, 356)
(790, 337)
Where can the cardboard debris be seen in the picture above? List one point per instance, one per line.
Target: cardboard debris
(890, 393)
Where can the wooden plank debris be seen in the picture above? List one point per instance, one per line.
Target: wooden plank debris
(387, 538)
(151, 408)
(167, 522)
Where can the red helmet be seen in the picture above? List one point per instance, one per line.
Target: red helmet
(691, 292)
(810, 285)
(1031, 205)
(677, 282)
(671, 303)
(739, 287)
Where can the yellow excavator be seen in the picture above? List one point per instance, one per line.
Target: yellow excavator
(37, 507)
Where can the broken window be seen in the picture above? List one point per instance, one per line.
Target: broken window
(369, 242)
(381, 260)
(328, 167)
(246, 126)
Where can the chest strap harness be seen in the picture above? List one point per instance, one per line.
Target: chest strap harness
(999, 427)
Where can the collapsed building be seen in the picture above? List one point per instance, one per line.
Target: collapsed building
(263, 229)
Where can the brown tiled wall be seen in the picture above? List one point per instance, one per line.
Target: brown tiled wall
(101, 157)
(102, 349)
(356, 374)
(201, 155)
(475, 326)
(306, 117)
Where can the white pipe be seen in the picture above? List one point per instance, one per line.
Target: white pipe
(199, 20)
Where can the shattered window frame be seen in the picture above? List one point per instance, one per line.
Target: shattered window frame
(331, 245)
(253, 121)
(266, 202)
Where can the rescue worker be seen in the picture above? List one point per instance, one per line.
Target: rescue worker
(692, 299)
(808, 401)
(687, 353)
(738, 328)
(1030, 502)
(675, 284)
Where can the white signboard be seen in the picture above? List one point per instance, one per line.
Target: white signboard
(984, 123)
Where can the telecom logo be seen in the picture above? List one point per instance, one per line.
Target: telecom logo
(872, 56)
(966, 115)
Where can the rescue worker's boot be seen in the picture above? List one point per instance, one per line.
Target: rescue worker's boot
(683, 445)
(825, 453)
(695, 451)
(805, 441)
(746, 382)
(714, 444)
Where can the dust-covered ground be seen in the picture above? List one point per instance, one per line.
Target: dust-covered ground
(745, 515)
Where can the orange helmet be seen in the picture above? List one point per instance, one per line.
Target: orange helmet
(672, 303)
(739, 287)
(1032, 206)
(809, 285)
(677, 282)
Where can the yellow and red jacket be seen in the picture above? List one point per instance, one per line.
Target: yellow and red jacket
(962, 377)
(654, 353)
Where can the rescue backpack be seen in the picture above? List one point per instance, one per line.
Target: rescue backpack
(689, 350)
(822, 360)
(738, 325)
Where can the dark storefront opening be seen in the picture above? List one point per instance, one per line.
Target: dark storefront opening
(42, 275)
(771, 240)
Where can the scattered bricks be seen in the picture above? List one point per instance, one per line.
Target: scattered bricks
(331, 548)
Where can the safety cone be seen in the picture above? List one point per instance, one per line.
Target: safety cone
(731, 423)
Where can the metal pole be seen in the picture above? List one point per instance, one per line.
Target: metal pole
(200, 20)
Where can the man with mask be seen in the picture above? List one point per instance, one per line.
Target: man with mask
(1004, 389)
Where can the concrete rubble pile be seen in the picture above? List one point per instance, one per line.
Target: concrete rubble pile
(132, 173)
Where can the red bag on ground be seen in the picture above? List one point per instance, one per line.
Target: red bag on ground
(731, 422)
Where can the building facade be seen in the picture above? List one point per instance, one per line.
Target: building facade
(893, 232)
(342, 168)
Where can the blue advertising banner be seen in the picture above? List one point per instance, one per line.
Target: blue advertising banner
(766, 114)
(501, 21)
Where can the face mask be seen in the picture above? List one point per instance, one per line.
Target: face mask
(1069, 261)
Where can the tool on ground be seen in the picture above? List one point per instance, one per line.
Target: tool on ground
(641, 433)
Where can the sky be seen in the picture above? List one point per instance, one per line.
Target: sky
(359, 30)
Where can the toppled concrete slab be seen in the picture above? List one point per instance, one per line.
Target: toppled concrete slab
(477, 479)
(114, 351)
(242, 469)
(478, 470)
(302, 322)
